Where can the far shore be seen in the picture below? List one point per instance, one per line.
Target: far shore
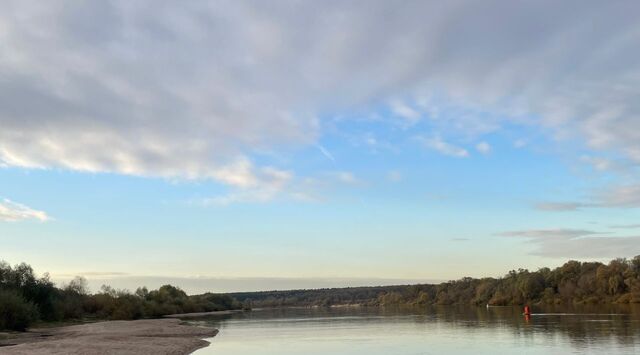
(145, 336)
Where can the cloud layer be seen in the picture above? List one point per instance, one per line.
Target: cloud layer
(193, 90)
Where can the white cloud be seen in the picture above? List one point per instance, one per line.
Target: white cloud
(437, 144)
(186, 90)
(239, 173)
(401, 109)
(483, 148)
(15, 212)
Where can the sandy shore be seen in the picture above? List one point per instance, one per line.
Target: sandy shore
(147, 336)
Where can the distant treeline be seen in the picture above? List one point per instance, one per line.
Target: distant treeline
(574, 282)
(24, 299)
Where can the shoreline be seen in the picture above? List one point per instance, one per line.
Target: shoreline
(145, 336)
(202, 314)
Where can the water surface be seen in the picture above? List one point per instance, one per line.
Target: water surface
(432, 330)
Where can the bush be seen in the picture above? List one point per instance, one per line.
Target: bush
(15, 312)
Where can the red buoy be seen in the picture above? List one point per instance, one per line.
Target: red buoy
(527, 311)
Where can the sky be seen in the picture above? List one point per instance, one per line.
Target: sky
(245, 145)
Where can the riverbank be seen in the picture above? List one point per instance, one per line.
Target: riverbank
(203, 314)
(146, 336)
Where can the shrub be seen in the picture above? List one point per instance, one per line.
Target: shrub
(15, 312)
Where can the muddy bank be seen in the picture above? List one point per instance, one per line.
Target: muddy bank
(147, 336)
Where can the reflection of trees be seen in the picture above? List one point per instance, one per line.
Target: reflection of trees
(581, 324)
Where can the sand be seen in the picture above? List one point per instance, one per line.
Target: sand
(147, 336)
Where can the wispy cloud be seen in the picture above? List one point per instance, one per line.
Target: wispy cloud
(577, 243)
(14, 212)
(404, 111)
(344, 177)
(252, 186)
(619, 196)
(598, 163)
(483, 148)
(325, 152)
(548, 233)
(440, 146)
(559, 206)
(616, 196)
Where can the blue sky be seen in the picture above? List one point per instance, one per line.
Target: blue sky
(249, 145)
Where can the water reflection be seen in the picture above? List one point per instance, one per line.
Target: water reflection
(428, 330)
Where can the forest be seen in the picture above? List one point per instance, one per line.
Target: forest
(25, 299)
(574, 282)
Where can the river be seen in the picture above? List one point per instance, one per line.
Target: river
(427, 330)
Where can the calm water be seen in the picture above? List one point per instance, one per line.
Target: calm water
(437, 330)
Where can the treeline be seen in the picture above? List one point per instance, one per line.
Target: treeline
(317, 297)
(25, 299)
(574, 282)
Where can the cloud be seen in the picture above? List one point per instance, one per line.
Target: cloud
(617, 196)
(548, 233)
(409, 114)
(344, 177)
(576, 243)
(15, 212)
(559, 206)
(239, 173)
(326, 153)
(483, 148)
(437, 144)
(598, 163)
(187, 90)
(626, 196)
(252, 187)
